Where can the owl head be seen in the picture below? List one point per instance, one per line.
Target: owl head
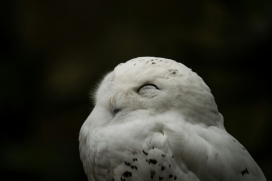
(150, 85)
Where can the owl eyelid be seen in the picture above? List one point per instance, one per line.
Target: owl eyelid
(147, 85)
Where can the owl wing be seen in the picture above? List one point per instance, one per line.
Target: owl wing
(210, 153)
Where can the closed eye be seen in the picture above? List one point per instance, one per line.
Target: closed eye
(148, 86)
(115, 111)
(148, 90)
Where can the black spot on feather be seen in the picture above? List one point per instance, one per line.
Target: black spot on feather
(244, 172)
(127, 163)
(152, 173)
(145, 152)
(162, 168)
(127, 174)
(153, 161)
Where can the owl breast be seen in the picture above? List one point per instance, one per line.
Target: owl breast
(136, 150)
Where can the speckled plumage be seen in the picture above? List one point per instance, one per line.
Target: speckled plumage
(155, 119)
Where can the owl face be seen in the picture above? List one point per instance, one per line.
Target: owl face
(153, 85)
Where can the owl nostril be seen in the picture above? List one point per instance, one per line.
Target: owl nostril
(115, 111)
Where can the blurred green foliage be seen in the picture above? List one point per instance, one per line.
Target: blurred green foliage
(54, 52)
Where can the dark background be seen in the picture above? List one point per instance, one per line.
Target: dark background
(53, 52)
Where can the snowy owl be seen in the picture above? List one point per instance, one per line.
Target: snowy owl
(156, 120)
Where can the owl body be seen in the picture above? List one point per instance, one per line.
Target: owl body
(155, 119)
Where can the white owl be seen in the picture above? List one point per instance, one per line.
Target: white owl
(156, 120)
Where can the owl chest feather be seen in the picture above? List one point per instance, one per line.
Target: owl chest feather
(155, 151)
(133, 151)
